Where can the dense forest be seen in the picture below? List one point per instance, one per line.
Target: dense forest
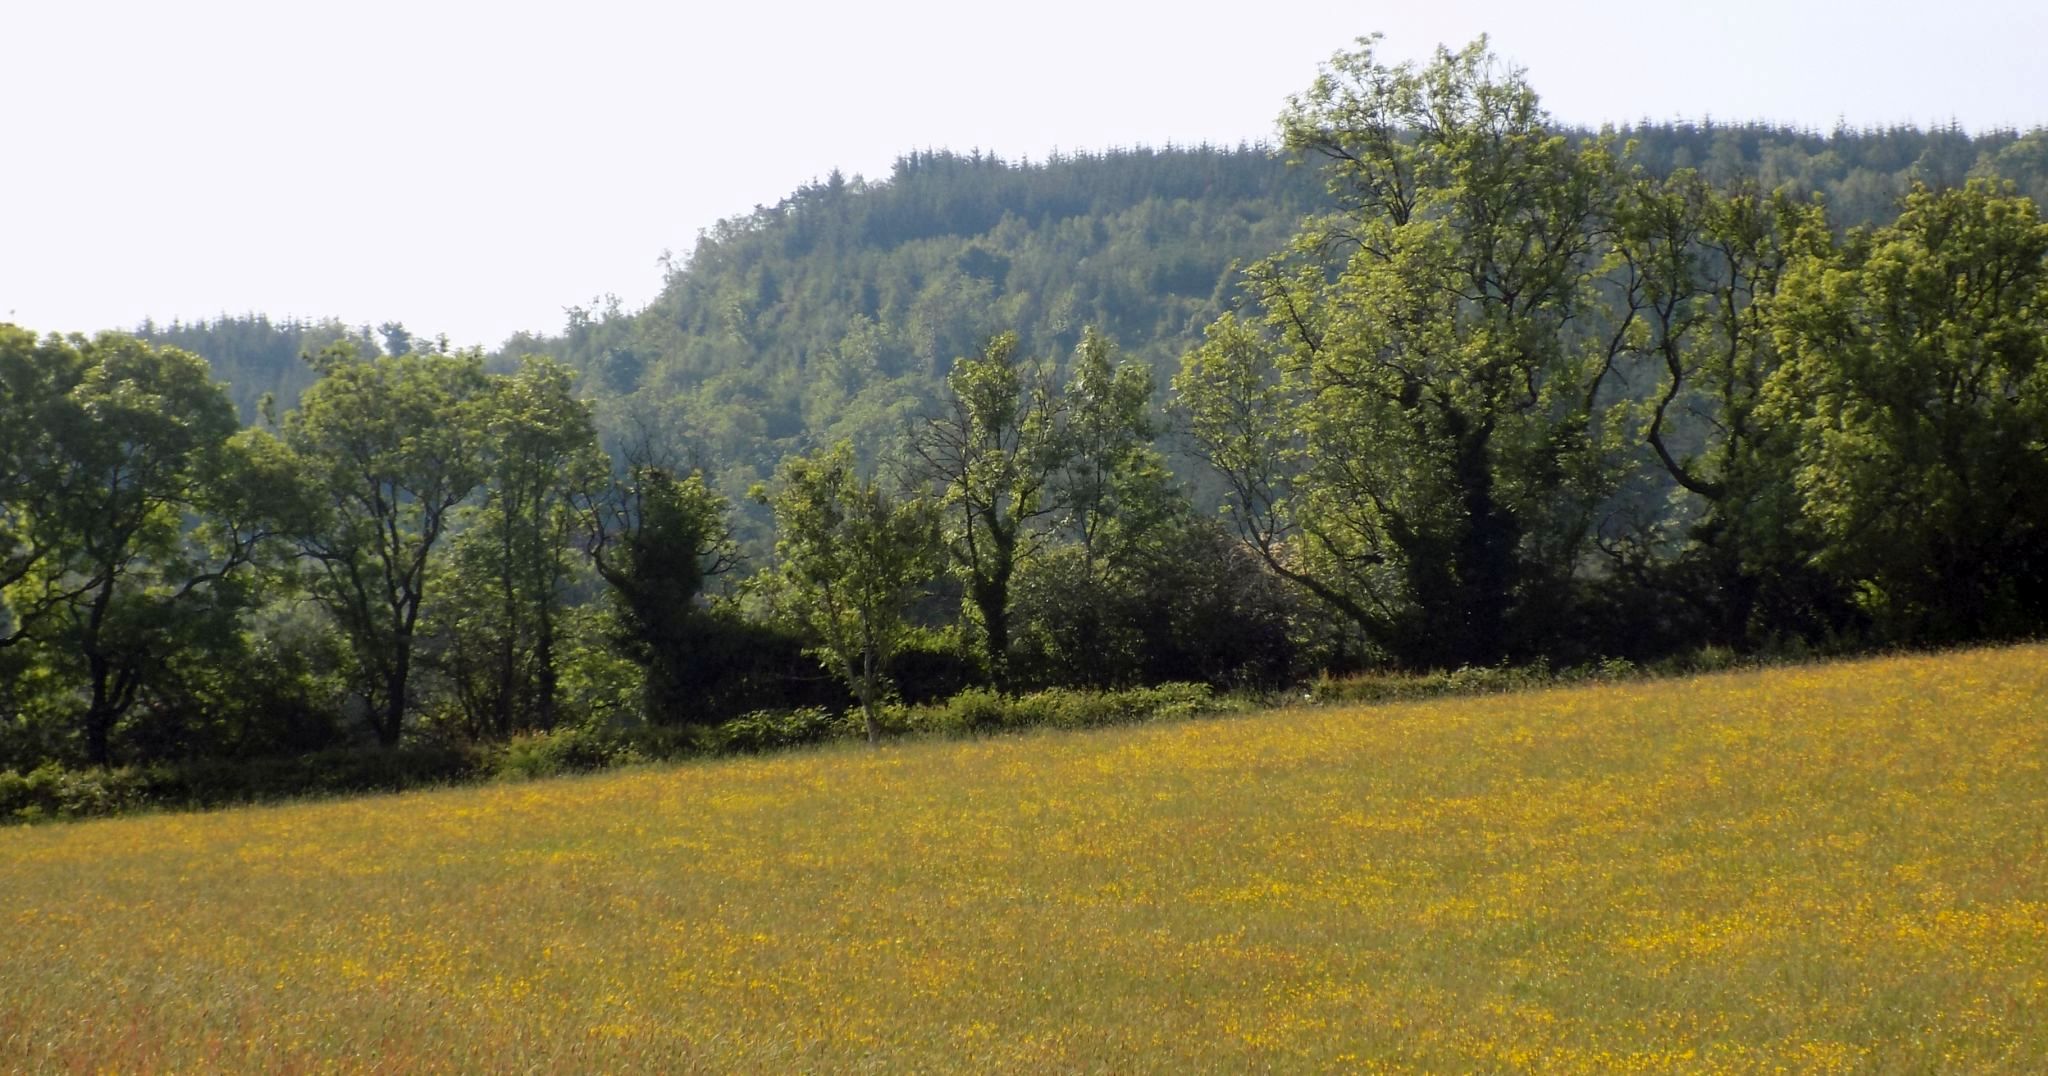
(1438, 384)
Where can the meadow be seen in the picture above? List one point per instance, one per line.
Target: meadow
(1826, 868)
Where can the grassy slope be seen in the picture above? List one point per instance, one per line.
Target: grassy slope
(1825, 867)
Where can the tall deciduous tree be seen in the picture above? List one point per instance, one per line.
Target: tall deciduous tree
(994, 454)
(1448, 459)
(852, 559)
(1916, 378)
(129, 516)
(513, 561)
(389, 447)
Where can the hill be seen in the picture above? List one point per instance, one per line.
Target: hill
(1824, 868)
(836, 311)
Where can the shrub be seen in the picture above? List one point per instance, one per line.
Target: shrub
(978, 711)
(567, 750)
(50, 791)
(767, 730)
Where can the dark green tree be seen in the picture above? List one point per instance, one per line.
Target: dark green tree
(657, 540)
(1915, 380)
(131, 517)
(513, 562)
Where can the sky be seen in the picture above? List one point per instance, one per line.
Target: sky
(475, 169)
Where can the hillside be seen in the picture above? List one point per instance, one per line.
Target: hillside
(1825, 868)
(836, 311)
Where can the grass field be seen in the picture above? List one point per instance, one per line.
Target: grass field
(1828, 868)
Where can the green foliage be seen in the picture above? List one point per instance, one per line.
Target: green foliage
(388, 450)
(773, 730)
(569, 750)
(996, 452)
(979, 711)
(852, 558)
(52, 791)
(656, 539)
(513, 565)
(1442, 457)
(128, 521)
(1192, 604)
(1916, 387)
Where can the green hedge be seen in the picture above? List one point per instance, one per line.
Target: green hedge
(53, 792)
(977, 711)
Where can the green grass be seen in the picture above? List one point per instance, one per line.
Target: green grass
(1832, 867)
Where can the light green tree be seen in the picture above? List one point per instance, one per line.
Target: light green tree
(1435, 458)
(995, 454)
(1113, 488)
(850, 561)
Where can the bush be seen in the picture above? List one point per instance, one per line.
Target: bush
(50, 791)
(978, 711)
(215, 782)
(768, 730)
(568, 750)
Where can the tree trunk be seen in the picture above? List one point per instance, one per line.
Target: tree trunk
(1484, 562)
(392, 722)
(544, 660)
(99, 718)
(867, 698)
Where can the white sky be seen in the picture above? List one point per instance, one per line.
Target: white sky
(475, 168)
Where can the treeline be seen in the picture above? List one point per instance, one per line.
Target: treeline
(425, 552)
(1510, 394)
(1520, 396)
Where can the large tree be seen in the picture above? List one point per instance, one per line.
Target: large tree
(388, 447)
(1435, 456)
(513, 562)
(1916, 384)
(130, 507)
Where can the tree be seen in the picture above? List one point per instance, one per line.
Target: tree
(994, 454)
(512, 562)
(1916, 383)
(656, 540)
(851, 559)
(1113, 486)
(130, 516)
(1696, 269)
(36, 377)
(388, 448)
(1443, 457)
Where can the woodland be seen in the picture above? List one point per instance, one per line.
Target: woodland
(1434, 384)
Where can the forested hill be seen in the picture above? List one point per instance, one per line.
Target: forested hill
(836, 311)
